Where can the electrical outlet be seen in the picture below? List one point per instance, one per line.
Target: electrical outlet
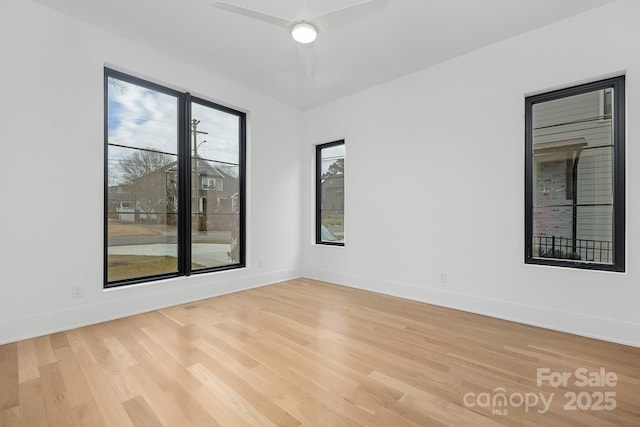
(260, 264)
(443, 277)
(77, 291)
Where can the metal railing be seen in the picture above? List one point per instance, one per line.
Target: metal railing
(573, 249)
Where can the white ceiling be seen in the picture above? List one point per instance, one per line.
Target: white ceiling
(406, 36)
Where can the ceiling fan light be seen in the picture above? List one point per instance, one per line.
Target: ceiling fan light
(304, 33)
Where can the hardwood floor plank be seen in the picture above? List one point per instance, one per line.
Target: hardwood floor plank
(141, 413)
(122, 385)
(10, 417)
(237, 394)
(93, 343)
(119, 352)
(80, 348)
(59, 340)
(317, 408)
(44, 350)
(167, 412)
(56, 398)
(214, 337)
(9, 377)
(76, 386)
(288, 391)
(168, 392)
(318, 393)
(385, 417)
(442, 410)
(33, 411)
(229, 396)
(221, 413)
(111, 410)
(27, 361)
(88, 415)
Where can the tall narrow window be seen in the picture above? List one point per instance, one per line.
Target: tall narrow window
(330, 193)
(174, 183)
(575, 207)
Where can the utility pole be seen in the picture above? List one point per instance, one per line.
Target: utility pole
(196, 192)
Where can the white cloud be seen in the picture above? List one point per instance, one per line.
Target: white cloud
(142, 118)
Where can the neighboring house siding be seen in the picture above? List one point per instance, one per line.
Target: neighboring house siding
(333, 194)
(594, 187)
(551, 186)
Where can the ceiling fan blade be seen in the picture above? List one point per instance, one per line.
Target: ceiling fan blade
(307, 58)
(347, 15)
(255, 14)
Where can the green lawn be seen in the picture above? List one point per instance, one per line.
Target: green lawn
(131, 266)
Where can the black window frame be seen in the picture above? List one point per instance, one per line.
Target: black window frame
(318, 179)
(185, 99)
(618, 263)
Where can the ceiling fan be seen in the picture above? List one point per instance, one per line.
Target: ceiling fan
(304, 27)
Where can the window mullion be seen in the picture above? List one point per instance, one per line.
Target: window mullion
(184, 172)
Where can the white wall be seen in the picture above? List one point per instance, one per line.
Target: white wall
(435, 181)
(51, 134)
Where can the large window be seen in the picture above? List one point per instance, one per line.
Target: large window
(174, 183)
(330, 193)
(575, 213)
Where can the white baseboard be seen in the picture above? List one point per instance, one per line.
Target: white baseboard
(55, 321)
(17, 329)
(574, 323)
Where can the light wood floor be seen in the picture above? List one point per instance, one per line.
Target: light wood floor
(310, 353)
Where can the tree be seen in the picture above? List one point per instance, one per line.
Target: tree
(152, 185)
(336, 168)
(142, 163)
